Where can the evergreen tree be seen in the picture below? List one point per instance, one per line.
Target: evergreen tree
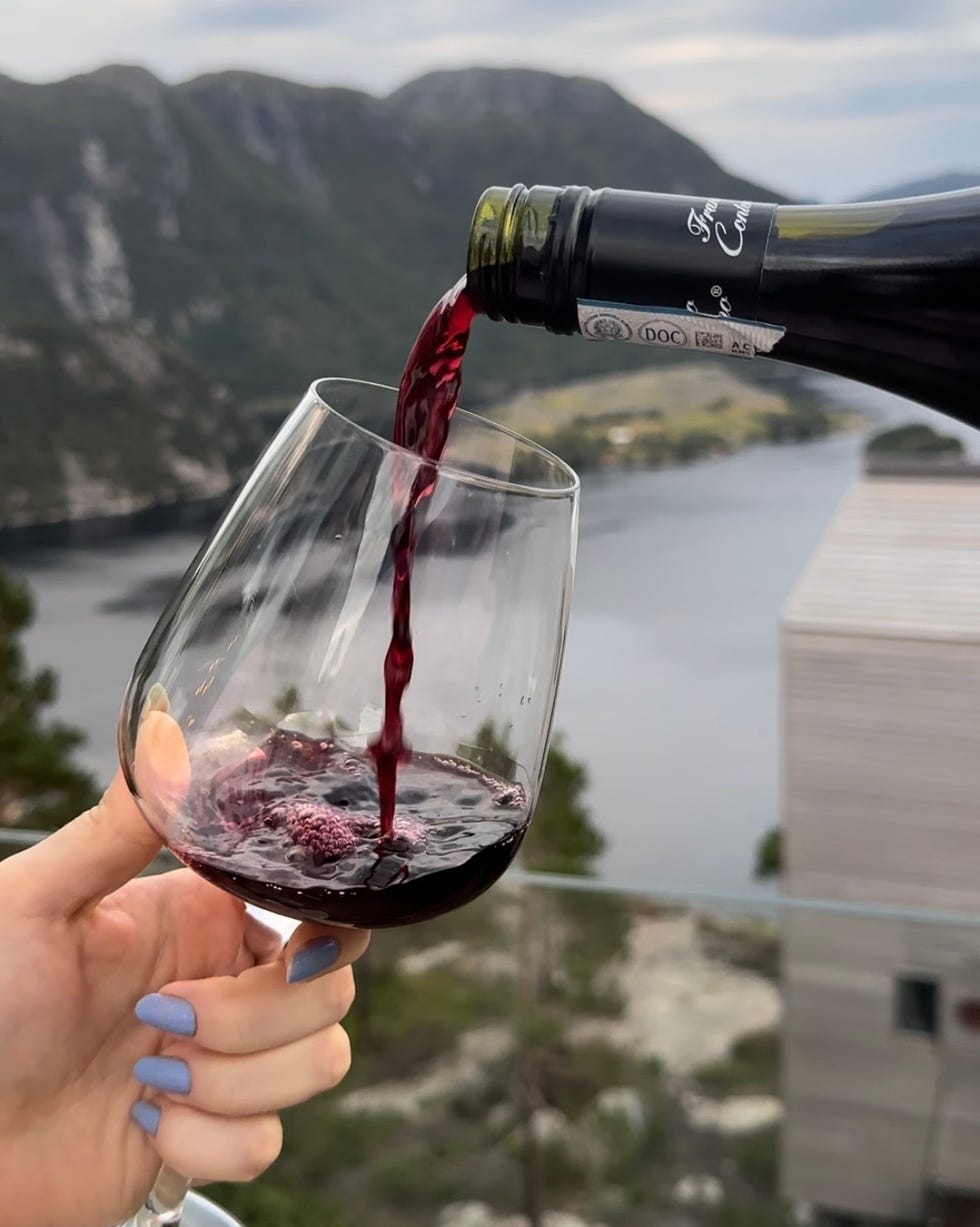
(915, 440)
(562, 838)
(769, 854)
(40, 786)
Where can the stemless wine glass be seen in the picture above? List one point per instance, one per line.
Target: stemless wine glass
(269, 657)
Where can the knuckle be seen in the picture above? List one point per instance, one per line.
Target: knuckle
(228, 1028)
(181, 1050)
(345, 991)
(332, 1057)
(261, 1145)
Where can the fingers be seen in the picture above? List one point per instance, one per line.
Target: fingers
(268, 1006)
(205, 1147)
(251, 1044)
(253, 1084)
(112, 842)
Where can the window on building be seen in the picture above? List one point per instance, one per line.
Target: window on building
(917, 1004)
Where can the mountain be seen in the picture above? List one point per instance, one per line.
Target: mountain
(280, 231)
(952, 181)
(100, 420)
(259, 233)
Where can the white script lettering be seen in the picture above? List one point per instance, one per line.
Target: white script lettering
(702, 224)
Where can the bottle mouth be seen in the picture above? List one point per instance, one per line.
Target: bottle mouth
(492, 253)
(520, 259)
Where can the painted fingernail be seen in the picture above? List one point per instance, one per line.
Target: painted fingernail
(146, 1115)
(169, 1074)
(172, 1014)
(316, 956)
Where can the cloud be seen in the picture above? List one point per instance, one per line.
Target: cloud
(258, 14)
(832, 18)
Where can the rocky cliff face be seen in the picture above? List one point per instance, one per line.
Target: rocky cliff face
(277, 232)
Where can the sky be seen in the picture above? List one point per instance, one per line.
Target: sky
(821, 99)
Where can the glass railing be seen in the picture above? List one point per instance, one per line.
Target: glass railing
(570, 1052)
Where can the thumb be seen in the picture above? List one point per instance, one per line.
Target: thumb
(107, 845)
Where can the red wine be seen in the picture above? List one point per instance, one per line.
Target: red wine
(884, 292)
(427, 398)
(294, 828)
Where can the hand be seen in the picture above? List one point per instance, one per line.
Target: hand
(234, 1026)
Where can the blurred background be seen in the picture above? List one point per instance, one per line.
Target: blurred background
(754, 1002)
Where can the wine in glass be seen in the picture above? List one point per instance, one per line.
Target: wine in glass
(269, 658)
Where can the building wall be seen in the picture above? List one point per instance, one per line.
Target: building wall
(882, 769)
(881, 806)
(874, 1115)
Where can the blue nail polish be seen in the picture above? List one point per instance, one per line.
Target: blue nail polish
(316, 956)
(172, 1014)
(146, 1115)
(169, 1074)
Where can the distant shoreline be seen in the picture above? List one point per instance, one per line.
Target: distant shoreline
(672, 416)
(204, 512)
(157, 517)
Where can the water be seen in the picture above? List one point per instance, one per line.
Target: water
(682, 794)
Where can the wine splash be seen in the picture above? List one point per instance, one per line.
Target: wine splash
(427, 397)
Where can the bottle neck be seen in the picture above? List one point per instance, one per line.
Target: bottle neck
(555, 256)
(521, 259)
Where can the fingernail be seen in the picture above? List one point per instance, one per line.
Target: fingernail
(314, 957)
(169, 1074)
(146, 1115)
(172, 1014)
(157, 699)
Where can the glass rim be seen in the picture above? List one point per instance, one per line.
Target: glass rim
(461, 475)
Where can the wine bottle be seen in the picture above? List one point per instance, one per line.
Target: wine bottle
(885, 292)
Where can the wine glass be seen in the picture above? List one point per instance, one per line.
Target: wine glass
(269, 657)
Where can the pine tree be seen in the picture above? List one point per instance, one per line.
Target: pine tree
(40, 785)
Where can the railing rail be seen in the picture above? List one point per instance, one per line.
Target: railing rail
(770, 904)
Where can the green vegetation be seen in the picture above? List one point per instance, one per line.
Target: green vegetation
(751, 1068)
(769, 854)
(670, 416)
(40, 786)
(757, 1160)
(750, 944)
(97, 419)
(912, 441)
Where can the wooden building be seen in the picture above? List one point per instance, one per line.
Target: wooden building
(881, 756)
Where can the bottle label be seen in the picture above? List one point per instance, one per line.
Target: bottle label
(703, 255)
(673, 329)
